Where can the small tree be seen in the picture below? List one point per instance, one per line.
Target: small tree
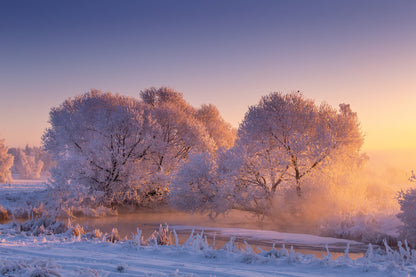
(178, 134)
(40, 155)
(407, 202)
(197, 187)
(6, 162)
(101, 141)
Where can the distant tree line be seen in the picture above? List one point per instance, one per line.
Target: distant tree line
(30, 162)
(23, 163)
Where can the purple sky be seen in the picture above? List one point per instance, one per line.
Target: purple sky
(228, 53)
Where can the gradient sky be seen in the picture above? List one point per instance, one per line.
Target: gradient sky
(228, 53)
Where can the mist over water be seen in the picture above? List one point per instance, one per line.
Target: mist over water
(400, 162)
(150, 221)
(366, 198)
(184, 224)
(361, 205)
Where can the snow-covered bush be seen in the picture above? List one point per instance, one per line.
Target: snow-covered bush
(45, 225)
(31, 268)
(6, 162)
(3, 214)
(161, 237)
(179, 133)
(197, 187)
(407, 201)
(164, 236)
(113, 236)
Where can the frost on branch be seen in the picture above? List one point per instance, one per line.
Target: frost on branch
(294, 136)
(178, 133)
(281, 143)
(221, 132)
(197, 187)
(285, 139)
(100, 141)
(123, 151)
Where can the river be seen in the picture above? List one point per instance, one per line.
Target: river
(243, 228)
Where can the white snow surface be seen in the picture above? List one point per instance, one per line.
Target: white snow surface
(68, 255)
(23, 185)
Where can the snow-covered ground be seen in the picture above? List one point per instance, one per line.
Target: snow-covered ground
(23, 186)
(22, 196)
(44, 247)
(23, 254)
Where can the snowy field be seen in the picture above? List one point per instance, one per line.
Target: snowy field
(22, 195)
(43, 247)
(23, 186)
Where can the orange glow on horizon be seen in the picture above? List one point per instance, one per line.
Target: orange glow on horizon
(390, 138)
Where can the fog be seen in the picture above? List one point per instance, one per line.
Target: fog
(361, 205)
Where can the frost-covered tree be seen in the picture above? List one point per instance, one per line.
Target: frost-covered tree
(198, 187)
(407, 202)
(31, 162)
(6, 162)
(26, 164)
(180, 132)
(124, 150)
(222, 133)
(186, 131)
(282, 141)
(102, 142)
(40, 155)
(286, 137)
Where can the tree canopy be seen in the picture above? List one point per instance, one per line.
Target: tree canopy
(125, 150)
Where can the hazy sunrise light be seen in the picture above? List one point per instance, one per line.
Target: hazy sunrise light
(228, 53)
(287, 125)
